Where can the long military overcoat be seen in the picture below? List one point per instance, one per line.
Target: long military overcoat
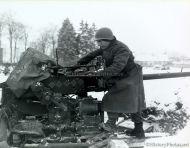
(127, 93)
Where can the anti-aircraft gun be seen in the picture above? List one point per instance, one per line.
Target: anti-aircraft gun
(57, 111)
(51, 105)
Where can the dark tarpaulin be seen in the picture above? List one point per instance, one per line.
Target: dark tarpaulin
(28, 71)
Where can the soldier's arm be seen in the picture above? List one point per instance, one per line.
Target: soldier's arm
(121, 57)
(86, 59)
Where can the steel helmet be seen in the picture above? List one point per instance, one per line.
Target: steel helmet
(104, 34)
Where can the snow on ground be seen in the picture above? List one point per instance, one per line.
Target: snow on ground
(181, 140)
(3, 78)
(167, 91)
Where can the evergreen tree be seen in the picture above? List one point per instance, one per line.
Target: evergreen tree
(67, 52)
(86, 42)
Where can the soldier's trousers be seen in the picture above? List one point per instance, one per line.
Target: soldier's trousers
(135, 117)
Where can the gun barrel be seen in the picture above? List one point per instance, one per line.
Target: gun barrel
(165, 75)
(145, 76)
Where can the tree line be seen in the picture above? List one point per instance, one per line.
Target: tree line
(69, 43)
(72, 45)
(16, 32)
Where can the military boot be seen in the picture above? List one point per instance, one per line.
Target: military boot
(110, 125)
(138, 131)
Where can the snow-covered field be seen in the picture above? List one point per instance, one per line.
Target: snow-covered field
(167, 91)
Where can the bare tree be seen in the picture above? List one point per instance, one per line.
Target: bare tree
(43, 42)
(33, 44)
(16, 31)
(18, 34)
(52, 39)
(2, 25)
(25, 38)
(10, 22)
(47, 41)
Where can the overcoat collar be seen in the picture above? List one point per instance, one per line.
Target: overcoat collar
(111, 44)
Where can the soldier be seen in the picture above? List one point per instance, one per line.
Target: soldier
(127, 92)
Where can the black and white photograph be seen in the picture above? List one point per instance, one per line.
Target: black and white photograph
(94, 73)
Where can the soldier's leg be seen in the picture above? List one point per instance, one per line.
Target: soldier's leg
(138, 130)
(112, 118)
(111, 122)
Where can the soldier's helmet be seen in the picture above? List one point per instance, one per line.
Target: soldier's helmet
(104, 34)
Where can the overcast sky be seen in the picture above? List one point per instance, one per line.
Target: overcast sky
(144, 25)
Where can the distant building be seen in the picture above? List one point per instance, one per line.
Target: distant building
(149, 60)
(182, 62)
